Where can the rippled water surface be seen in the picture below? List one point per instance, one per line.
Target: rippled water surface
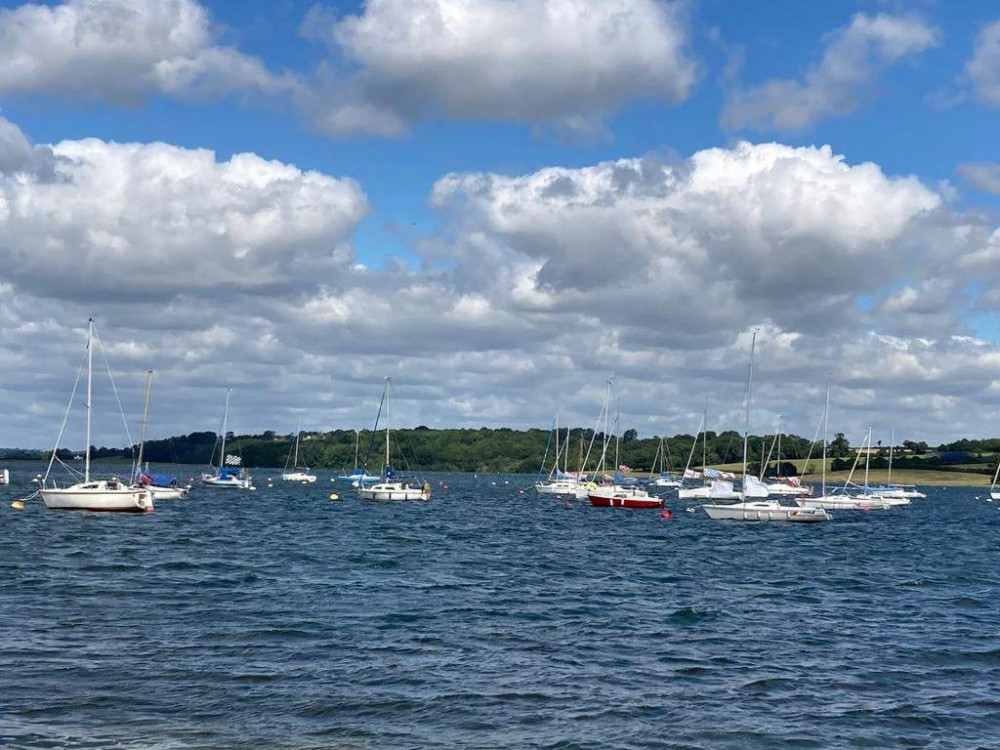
(488, 618)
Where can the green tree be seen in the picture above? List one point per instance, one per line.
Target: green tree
(839, 447)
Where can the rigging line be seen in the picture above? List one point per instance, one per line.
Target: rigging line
(114, 388)
(69, 407)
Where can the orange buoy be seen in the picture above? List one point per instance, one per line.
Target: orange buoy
(19, 504)
(666, 513)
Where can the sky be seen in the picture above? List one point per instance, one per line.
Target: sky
(501, 204)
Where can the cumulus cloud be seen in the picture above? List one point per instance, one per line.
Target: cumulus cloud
(152, 220)
(242, 273)
(122, 51)
(567, 62)
(853, 56)
(984, 67)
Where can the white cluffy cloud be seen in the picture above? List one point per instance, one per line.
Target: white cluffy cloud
(569, 62)
(241, 273)
(853, 56)
(984, 67)
(83, 219)
(121, 51)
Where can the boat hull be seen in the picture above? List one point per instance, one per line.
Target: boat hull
(556, 488)
(298, 476)
(389, 492)
(126, 500)
(766, 512)
(624, 501)
(841, 502)
(168, 493)
(225, 484)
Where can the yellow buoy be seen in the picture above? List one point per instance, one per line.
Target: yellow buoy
(334, 496)
(19, 504)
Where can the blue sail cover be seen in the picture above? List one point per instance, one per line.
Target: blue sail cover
(157, 480)
(624, 480)
(226, 472)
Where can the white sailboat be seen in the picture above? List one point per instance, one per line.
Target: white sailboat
(110, 495)
(558, 482)
(388, 487)
(162, 486)
(896, 494)
(719, 488)
(665, 477)
(4, 476)
(841, 501)
(761, 508)
(230, 473)
(296, 474)
(781, 486)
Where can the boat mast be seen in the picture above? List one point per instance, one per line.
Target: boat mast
(777, 473)
(555, 469)
(298, 431)
(90, 377)
(826, 421)
(704, 446)
(388, 383)
(868, 457)
(746, 420)
(145, 421)
(892, 445)
(357, 443)
(225, 428)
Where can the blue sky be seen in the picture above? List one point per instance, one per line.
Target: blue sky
(905, 104)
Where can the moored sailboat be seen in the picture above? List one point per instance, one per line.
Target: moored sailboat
(301, 475)
(107, 495)
(162, 486)
(389, 487)
(358, 476)
(230, 473)
(753, 504)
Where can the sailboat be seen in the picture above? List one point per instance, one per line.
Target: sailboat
(296, 474)
(358, 476)
(665, 477)
(994, 494)
(719, 488)
(781, 486)
(4, 476)
(110, 495)
(559, 482)
(229, 474)
(842, 500)
(896, 494)
(162, 486)
(618, 494)
(753, 504)
(388, 487)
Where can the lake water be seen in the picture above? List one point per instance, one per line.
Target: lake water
(488, 618)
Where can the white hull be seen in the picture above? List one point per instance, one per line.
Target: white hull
(843, 502)
(395, 491)
(167, 493)
(4, 476)
(225, 484)
(705, 493)
(995, 496)
(765, 510)
(666, 483)
(298, 476)
(108, 497)
(786, 490)
(556, 488)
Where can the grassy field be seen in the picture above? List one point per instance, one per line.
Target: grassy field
(880, 476)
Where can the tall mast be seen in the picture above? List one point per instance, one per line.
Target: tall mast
(826, 422)
(704, 446)
(357, 443)
(145, 421)
(746, 421)
(892, 445)
(778, 472)
(90, 377)
(868, 457)
(225, 429)
(556, 469)
(298, 431)
(618, 427)
(388, 383)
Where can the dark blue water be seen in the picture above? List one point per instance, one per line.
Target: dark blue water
(488, 618)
